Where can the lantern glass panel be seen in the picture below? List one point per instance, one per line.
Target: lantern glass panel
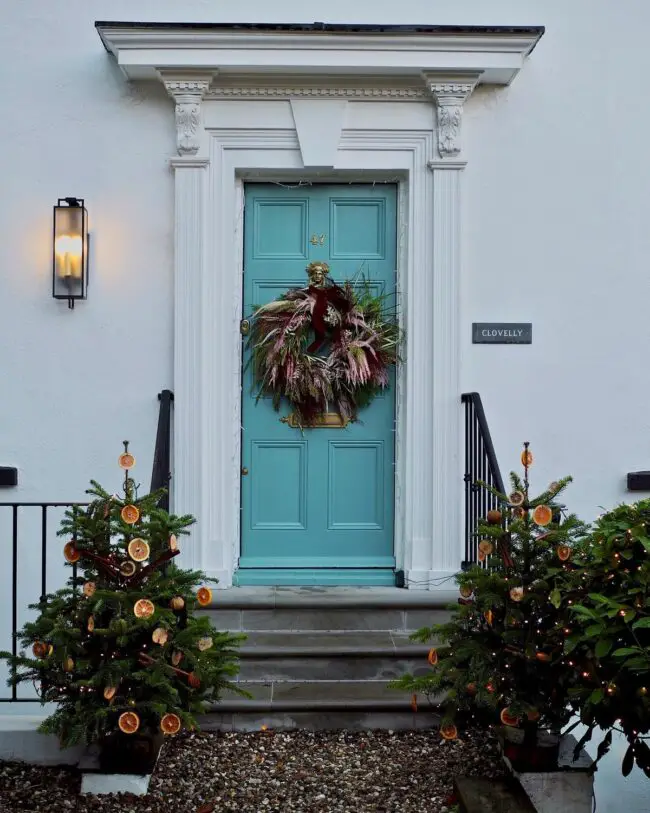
(70, 252)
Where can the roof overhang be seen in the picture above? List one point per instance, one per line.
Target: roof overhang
(493, 54)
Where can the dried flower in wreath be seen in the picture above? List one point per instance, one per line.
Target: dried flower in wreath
(324, 347)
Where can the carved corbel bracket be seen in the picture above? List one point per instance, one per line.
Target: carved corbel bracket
(449, 96)
(187, 90)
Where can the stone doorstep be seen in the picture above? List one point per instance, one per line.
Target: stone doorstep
(316, 597)
(321, 695)
(325, 619)
(330, 644)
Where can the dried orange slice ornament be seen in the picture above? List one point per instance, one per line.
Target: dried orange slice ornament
(516, 498)
(143, 608)
(204, 643)
(542, 515)
(177, 657)
(170, 724)
(448, 731)
(138, 549)
(543, 657)
(159, 636)
(563, 552)
(486, 546)
(432, 657)
(481, 556)
(527, 458)
(39, 649)
(518, 512)
(516, 593)
(68, 665)
(90, 624)
(129, 722)
(127, 568)
(109, 692)
(130, 514)
(193, 680)
(177, 603)
(71, 553)
(489, 616)
(89, 589)
(173, 542)
(507, 718)
(465, 590)
(204, 596)
(126, 460)
(494, 516)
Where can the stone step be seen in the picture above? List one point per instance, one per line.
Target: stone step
(345, 655)
(322, 657)
(328, 608)
(324, 704)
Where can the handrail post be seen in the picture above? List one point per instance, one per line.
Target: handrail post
(161, 471)
(480, 464)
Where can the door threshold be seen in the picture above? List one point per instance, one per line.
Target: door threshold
(334, 577)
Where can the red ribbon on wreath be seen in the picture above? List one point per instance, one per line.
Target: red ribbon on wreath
(332, 295)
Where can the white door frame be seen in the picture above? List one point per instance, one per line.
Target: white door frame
(207, 355)
(272, 101)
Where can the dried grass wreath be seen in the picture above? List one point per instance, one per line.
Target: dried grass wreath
(357, 333)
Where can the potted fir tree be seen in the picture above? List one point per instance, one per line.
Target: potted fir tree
(119, 649)
(499, 661)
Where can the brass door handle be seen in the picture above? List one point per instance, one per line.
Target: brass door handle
(244, 470)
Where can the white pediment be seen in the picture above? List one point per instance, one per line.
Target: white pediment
(395, 52)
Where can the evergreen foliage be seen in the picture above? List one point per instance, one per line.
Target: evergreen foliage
(500, 657)
(98, 653)
(606, 602)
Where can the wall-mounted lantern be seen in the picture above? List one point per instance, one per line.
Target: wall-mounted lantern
(70, 260)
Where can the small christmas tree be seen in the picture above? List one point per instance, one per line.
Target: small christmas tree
(119, 649)
(502, 657)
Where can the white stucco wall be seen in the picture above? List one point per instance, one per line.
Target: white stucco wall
(555, 201)
(554, 233)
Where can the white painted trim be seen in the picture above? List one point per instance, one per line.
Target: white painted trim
(208, 435)
(189, 276)
(496, 55)
(238, 144)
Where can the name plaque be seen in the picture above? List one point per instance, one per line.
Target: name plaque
(502, 333)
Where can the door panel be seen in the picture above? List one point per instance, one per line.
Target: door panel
(318, 504)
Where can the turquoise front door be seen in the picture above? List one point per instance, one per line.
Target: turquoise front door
(317, 504)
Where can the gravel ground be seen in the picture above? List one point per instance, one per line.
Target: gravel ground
(330, 772)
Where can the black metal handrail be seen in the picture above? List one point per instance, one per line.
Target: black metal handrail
(480, 464)
(41, 511)
(162, 470)
(42, 515)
